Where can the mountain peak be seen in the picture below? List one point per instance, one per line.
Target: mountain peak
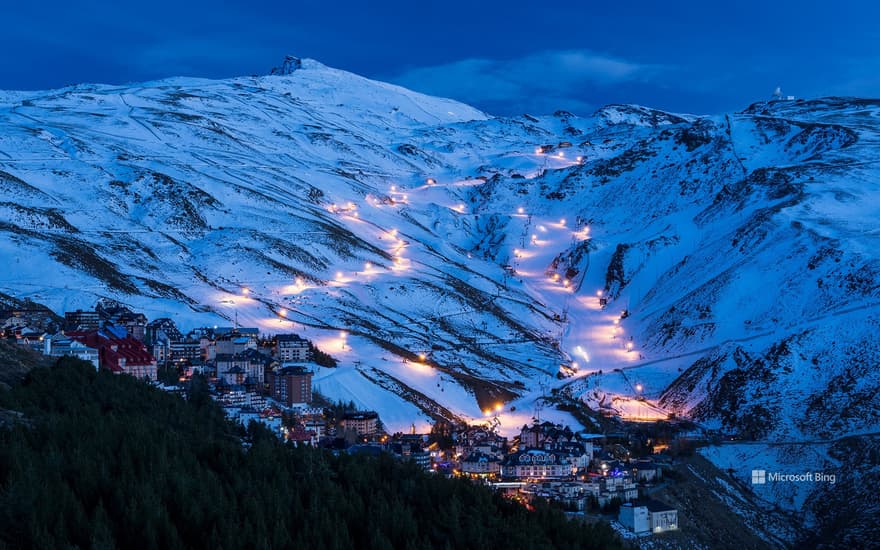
(288, 66)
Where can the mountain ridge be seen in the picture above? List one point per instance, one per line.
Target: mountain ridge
(311, 190)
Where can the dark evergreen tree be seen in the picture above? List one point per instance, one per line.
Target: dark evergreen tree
(106, 461)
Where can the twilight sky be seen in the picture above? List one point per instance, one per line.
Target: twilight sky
(505, 57)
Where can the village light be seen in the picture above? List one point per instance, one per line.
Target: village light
(639, 388)
(629, 346)
(338, 274)
(368, 266)
(562, 221)
(539, 150)
(393, 188)
(599, 293)
(520, 210)
(282, 313)
(499, 406)
(245, 291)
(617, 321)
(431, 181)
(422, 357)
(561, 154)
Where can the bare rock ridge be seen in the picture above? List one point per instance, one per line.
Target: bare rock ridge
(287, 67)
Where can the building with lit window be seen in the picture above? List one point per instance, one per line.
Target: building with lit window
(364, 423)
(247, 367)
(536, 464)
(479, 464)
(290, 347)
(648, 516)
(119, 352)
(290, 386)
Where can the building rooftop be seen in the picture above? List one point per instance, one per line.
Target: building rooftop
(653, 506)
(361, 415)
(294, 371)
(289, 338)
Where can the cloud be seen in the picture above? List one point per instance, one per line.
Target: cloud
(539, 83)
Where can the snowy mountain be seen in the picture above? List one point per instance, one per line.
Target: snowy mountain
(457, 263)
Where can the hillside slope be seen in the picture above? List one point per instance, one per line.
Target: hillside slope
(452, 260)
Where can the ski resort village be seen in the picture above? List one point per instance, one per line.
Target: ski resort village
(269, 379)
(629, 313)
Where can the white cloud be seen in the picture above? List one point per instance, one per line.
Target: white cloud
(540, 82)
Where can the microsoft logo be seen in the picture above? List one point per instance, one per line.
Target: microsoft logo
(759, 477)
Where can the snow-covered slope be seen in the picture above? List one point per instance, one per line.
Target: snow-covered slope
(454, 261)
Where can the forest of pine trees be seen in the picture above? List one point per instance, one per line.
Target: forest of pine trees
(106, 461)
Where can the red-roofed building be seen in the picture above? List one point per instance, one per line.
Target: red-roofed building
(124, 355)
(299, 435)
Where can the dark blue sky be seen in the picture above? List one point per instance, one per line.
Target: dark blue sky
(506, 57)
